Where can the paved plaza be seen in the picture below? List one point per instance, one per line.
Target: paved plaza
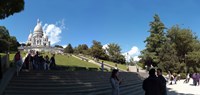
(183, 89)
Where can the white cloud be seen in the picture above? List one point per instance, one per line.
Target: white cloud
(134, 52)
(135, 58)
(53, 31)
(22, 42)
(64, 46)
(105, 46)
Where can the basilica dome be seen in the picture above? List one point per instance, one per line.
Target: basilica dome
(38, 27)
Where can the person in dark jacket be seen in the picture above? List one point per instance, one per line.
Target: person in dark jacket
(52, 62)
(152, 85)
(163, 81)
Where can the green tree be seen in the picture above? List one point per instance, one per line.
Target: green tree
(69, 49)
(182, 39)
(8, 43)
(14, 44)
(97, 51)
(3, 45)
(81, 49)
(58, 46)
(168, 57)
(150, 55)
(4, 34)
(114, 53)
(9, 7)
(192, 59)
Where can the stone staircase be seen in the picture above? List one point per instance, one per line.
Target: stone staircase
(71, 83)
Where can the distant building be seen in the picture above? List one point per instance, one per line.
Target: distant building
(38, 41)
(38, 38)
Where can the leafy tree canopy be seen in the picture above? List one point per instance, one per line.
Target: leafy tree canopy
(9, 7)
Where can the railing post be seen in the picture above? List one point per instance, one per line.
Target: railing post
(1, 74)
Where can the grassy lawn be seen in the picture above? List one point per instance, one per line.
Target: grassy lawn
(70, 62)
(121, 66)
(13, 54)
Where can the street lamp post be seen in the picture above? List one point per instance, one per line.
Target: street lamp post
(127, 62)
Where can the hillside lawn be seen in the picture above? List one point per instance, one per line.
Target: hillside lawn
(72, 63)
(63, 60)
(120, 66)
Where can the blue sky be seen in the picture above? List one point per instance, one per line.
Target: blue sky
(124, 22)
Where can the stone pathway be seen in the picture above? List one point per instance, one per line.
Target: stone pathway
(183, 89)
(107, 66)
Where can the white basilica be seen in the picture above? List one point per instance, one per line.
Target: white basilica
(38, 41)
(38, 38)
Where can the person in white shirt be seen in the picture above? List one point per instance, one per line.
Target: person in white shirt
(115, 82)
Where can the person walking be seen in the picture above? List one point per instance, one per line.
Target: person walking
(115, 82)
(52, 62)
(47, 62)
(102, 66)
(187, 79)
(163, 82)
(18, 61)
(152, 85)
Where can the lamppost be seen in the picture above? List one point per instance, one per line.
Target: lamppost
(127, 62)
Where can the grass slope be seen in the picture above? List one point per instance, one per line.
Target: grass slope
(71, 63)
(121, 66)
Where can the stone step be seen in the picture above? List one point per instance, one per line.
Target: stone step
(71, 73)
(122, 89)
(68, 78)
(59, 90)
(86, 84)
(137, 90)
(71, 83)
(64, 82)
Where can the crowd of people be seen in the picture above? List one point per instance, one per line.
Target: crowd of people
(173, 78)
(35, 61)
(195, 77)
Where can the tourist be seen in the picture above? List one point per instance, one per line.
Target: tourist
(36, 60)
(197, 79)
(175, 77)
(102, 66)
(41, 63)
(194, 77)
(27, 62)
(47, 62)
(178, 76)
(152, 85)
(31, 61)
(52, 62)
(115, 82)
(116, 66)
(171, 77)
(187, 78)
(18, 61)
(163, 82)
